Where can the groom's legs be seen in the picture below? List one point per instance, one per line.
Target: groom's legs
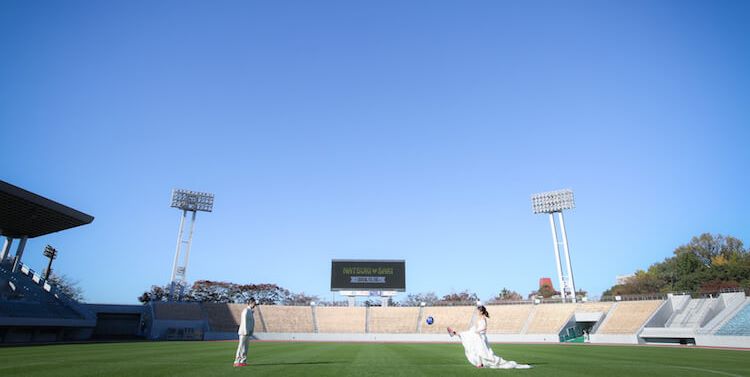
(241, 356)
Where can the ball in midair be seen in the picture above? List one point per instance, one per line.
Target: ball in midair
(430, 320)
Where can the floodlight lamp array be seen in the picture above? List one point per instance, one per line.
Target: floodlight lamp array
(552, 201)
(50, 252)
(192, 200)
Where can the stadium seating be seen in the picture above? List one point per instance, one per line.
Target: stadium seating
(27, 295)
(340, 319)
(457, 317)
(594, 307)
(393, 320)
(628, 317)
(226, 317)
(739, 325)
(285, 319)
(507, 319)
(181, 311)
(549, 318)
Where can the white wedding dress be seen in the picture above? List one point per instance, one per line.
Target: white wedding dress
(478, 349)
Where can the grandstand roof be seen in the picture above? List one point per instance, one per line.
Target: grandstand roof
(23, 213)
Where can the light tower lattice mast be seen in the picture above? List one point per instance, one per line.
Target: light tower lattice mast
(187, 201)
(550, 203)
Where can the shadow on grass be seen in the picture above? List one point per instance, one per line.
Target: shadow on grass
(299, 363)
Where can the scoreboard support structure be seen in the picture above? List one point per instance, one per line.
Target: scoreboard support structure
(351, 296)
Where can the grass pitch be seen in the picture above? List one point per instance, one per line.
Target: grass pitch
(361, 359)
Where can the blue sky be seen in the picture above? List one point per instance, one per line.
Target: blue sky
(389, 129)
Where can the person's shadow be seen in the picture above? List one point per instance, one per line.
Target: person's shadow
(298, 363)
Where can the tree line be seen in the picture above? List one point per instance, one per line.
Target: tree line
(273, 294)
(707, 264)
(226, 292)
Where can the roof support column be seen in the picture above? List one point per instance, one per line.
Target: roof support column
(19, 253)
(6, 249)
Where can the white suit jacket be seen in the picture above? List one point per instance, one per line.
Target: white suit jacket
(247, 322)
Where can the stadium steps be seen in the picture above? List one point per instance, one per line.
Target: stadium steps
(527, 323)
(692, 314)
(604, 319)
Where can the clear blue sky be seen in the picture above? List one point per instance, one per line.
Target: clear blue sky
(380, 129)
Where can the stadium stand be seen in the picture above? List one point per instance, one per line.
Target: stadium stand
(226, 317)
(178, 311)
(739, 325)
(28, 295)
(393, 320)
(549, 318)
(593, 307)
(628, 317)
(341, 320)
(285, 319)
(31, 309)
(507, 319)
(457, 317)
(221, 317)
(692, 314)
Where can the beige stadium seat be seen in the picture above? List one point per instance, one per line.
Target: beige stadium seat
(340, 319)
(628, 317)
(393, 320)
(296, 319)
(507, 319)
(593, 307)
(457, 317)
(549, 318)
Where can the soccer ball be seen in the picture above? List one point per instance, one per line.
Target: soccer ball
(430, 320)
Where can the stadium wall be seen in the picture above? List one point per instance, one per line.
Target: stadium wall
(418, 338)
(619, 323)
(722, 341)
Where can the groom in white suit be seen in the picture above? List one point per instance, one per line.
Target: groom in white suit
(245, 332)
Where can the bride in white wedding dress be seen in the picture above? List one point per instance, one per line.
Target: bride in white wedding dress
(478, 349)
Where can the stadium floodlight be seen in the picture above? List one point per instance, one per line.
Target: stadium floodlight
(187, 201)
(51, 253)
(192, 201)
(552, 202)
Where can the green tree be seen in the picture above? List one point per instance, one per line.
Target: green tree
(708, 263)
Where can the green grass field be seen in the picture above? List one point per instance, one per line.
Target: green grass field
(361, 359)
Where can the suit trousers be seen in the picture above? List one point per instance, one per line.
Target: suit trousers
(242, 349)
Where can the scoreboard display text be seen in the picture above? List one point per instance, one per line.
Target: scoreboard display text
(368, 275)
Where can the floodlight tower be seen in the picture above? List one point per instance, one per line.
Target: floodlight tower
(555, 202)
(187, 201)
(51, 253)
